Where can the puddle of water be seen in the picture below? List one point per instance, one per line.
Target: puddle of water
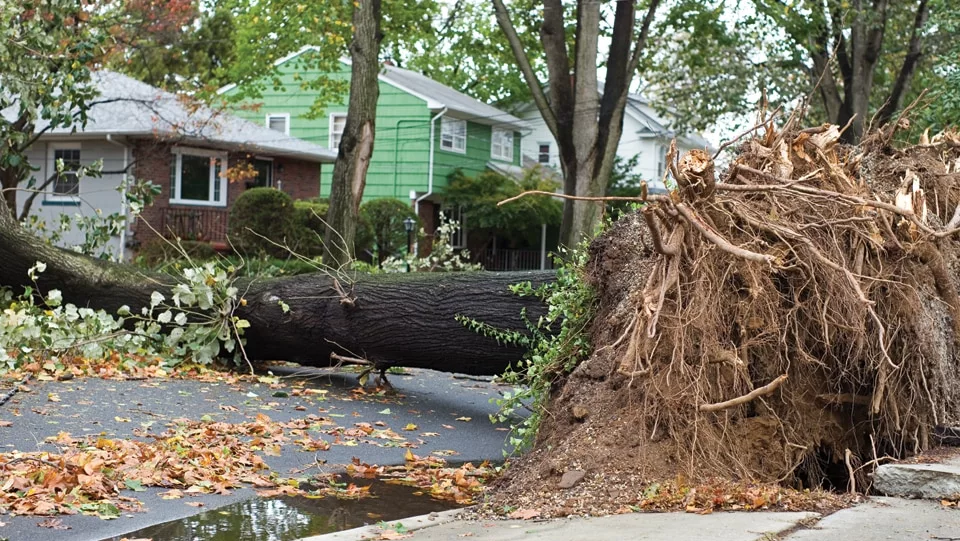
(288, 518)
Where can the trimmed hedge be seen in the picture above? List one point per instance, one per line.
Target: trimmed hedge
(262, 222)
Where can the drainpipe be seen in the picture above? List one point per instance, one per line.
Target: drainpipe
(123, 198)
(416, 203)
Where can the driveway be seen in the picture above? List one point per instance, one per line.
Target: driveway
(451, 414)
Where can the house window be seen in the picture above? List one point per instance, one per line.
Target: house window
(264, 169)
(199, 178)
(67, 183)
(661, 160)
(543, 153)
(279, 122)
(453, 135)
(456, 216)
(501, 144)
(338, 121)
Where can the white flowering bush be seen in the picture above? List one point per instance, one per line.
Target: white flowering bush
(443, 257)
(195, 324)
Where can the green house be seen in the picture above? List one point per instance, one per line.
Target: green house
(424, 131)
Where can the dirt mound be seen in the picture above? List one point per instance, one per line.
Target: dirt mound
(790, 323)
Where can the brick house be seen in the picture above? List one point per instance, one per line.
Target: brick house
(201, 158)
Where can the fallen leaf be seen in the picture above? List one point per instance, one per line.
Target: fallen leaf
(393, 534)
(53, 523)
(448, 427)
(194, 504)
(525, 514)
(410, 427)
(465, 419)
(172, 494)
(385, 412)
(122, 419)
(53, 397)
(6, 423)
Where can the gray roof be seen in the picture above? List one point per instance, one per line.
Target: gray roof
(127, 107)
(439, 95)
(658, 126)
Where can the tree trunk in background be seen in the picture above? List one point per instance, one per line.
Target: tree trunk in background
(391, 319)
(844, 68)
(356, 144)
(586, 125)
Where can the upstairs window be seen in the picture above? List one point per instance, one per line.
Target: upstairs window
(67, 183)
(453, 135)
(501, 144)
(543, 153)
(338, 122)
(279, 122)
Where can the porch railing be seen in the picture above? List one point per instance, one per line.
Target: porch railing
(203, 224)
(512, 260)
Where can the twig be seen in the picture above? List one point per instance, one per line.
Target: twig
(721, 242)
(649, 197)
(760, 391)
(16, 387)
(30, 459)
(776, 112)
(852, 482)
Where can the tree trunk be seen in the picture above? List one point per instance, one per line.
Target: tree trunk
(356, 144)
(587, 133)
(393, 320)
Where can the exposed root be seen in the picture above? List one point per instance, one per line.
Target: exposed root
(780, 321)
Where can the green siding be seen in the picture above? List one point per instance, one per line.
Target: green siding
(400, 161)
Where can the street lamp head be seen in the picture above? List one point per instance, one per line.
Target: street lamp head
(409, 224)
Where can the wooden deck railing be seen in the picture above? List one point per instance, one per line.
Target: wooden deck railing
(187, 223)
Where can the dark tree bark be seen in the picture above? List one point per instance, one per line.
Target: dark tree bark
(586, 126)
(392, 320)
(846, 94)
(356, 145)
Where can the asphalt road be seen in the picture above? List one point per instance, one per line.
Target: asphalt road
(114, 409)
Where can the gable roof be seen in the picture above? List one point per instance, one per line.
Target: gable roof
(436, 95)
(128, 107)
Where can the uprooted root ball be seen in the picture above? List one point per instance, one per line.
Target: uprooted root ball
(794, 321)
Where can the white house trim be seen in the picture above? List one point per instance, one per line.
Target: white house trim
(215, 179)
(51, 165)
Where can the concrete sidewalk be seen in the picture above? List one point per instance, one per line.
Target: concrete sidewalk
(639, 526)
(878, 518)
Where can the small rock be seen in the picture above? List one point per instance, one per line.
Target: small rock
(571, 478)
(580, 413)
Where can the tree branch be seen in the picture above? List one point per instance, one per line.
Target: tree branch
(905, 76)
(503, 19)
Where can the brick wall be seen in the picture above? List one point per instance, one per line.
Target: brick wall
(300, 179)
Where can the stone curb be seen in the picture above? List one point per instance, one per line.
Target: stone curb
(372, 532)
(929, 481)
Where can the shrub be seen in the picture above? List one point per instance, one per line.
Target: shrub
(381, 227)
(159, 254)
(260, 220)
(307, 234)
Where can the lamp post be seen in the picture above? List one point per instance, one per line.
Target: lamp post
(409, 224)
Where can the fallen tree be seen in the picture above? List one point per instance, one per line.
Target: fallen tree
(391, 320)
(795, 319)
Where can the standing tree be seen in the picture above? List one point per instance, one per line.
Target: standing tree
(45, 49)
(857, 59)
(586, 125)
(356, 146)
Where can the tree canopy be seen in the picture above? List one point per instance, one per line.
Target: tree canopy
(46, 47)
